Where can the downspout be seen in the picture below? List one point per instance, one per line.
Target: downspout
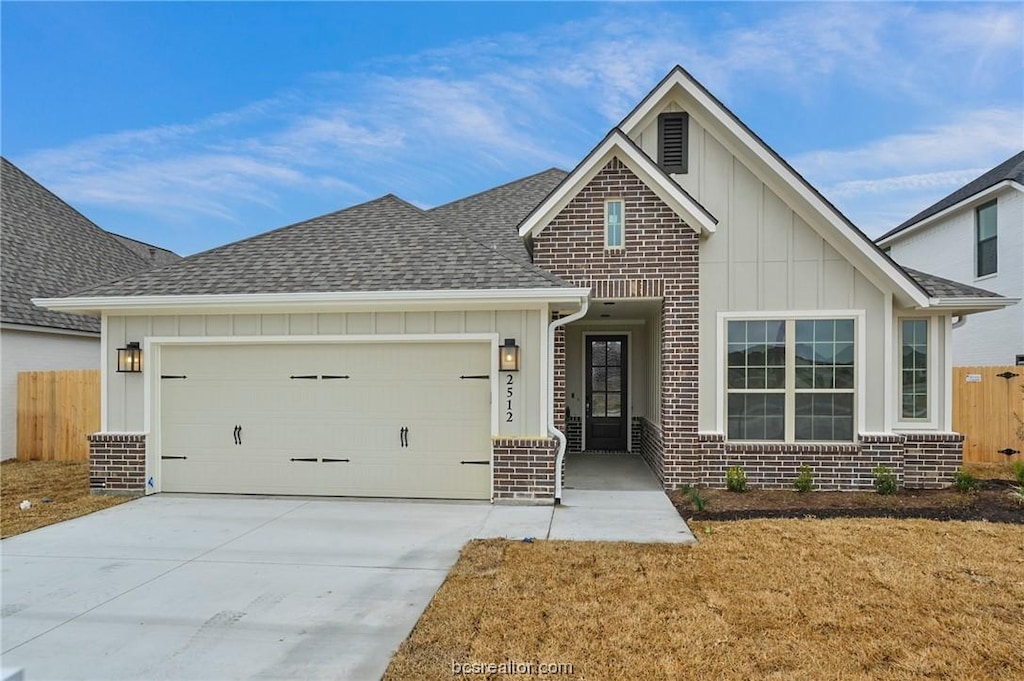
(960, 321)
(559, 435)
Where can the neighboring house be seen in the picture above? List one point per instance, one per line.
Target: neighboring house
(976, 235)
(683, 293)
(50, 249)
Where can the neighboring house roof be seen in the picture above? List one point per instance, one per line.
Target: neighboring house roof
(617, 144)
(383, 245)
(1012, 169)
(50, 249)
(492, 216)
(154, 255)
(940, 287)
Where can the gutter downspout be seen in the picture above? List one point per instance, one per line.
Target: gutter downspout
(559, 435)
(960, 321)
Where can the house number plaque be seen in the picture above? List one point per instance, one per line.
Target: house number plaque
(509, 385)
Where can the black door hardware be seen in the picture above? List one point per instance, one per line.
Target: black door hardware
(1007, 375)
(308, 377)
(173, 457)
(1008, 451)
(475, 463)
(168, 376)
(238, 435)
(305, 459)
(328, 377)
(325, 460)
(403, 436)
(476, 376)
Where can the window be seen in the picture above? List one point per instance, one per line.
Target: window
(985, 217)
(790, 380)
(614, 223)
(914, 374)
(673, 140)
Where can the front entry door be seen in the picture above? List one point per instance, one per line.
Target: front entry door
(607, 425)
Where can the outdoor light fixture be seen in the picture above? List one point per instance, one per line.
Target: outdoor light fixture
(129, 359)
(508, 355)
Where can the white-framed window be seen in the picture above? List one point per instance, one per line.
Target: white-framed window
(614, 223)
(914, 369)
(986, 246)
(791, 380)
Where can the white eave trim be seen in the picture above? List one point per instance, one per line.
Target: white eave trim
(903, 285)
(617, 144)
(977, 198)
(286, 302)
(972, 304)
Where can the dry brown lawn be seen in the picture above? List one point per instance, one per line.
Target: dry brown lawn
(756, 599)
(65, 484)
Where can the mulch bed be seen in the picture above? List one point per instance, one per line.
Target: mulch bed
(993, 503)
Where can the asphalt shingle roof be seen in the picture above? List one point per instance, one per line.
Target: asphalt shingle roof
(154, 255)
(493, 216)
(383, 245)
(49, 250)
(940, 287)
(1010, 169)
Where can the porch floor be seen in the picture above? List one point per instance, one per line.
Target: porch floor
(608, 471)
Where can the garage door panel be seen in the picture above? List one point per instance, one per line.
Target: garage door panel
(416, 386)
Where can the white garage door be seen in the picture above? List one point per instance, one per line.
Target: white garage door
(352, 419)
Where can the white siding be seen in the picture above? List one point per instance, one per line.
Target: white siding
(125, 392)
(947, 248)
(31, 351)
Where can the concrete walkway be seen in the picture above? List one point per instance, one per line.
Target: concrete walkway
(230, 587)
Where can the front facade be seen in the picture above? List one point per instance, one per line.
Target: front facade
(682, 294)
(976, 235)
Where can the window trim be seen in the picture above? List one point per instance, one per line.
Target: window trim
(860, 370)
(994, 204)
(935, 327)
(622, 245)
(929, 406)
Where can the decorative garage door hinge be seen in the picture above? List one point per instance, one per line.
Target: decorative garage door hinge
(168, 376)
(313, 459)
(304, 459)
(173, 457)
(475, 463)
(325, 460)
(475, 376)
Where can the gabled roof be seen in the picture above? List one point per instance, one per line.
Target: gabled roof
(1010, 170)
(383, 245)
(154, 255)
(50, 249)
(492, 216)
(940, 287)
(795, 189)
(618, 145)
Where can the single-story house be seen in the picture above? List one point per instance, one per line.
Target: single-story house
(50, 249)
(976, 235)
(682, 294)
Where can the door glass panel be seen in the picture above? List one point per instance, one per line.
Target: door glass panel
(599, 353)
(614, 353)
(614, 379)
(613, 405)
(598, 380)
(597, 405)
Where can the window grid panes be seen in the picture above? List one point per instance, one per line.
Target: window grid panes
(614, 223)
(790, 379)
(914, 374)
(987, 260)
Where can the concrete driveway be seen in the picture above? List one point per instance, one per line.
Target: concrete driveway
(225, 587)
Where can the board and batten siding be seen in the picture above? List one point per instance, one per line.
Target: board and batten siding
(125, 392)
(764, 256)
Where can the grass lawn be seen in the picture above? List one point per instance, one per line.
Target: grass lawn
(65, 484)
(756, 599)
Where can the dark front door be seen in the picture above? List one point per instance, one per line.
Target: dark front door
(606, 425)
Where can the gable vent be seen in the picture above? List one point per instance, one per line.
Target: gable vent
(673, 138)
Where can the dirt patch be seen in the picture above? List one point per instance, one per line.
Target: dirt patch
(994, 502)
(57, 491)
(788, 599)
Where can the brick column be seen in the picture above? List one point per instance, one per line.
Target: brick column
(524, 470)
(679, 381)
(930, 460)
(117, 463)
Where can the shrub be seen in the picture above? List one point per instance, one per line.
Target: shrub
(805, 481)
(885, 480)
(736, 479)
(963, 481)
(698, 500)
(1018, 471)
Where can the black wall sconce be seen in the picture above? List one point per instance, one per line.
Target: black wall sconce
(129, 359)
(508, 355)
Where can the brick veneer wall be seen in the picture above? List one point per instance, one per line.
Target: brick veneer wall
(652, 447)
(524, 469)
(921, 460)
(117, 463)
(659, 260)
(574, 434)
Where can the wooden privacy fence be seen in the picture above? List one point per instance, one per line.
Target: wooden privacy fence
(988, 408)
(56, 411)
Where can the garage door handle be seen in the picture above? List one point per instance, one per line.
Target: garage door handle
(238, 435)
(403, 437)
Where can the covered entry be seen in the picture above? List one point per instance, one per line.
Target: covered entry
(402, 419)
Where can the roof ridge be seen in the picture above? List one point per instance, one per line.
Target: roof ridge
(497, 187)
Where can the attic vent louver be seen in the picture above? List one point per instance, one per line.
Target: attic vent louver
(673, 138)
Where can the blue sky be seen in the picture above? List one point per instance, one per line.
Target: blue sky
(190, 125)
